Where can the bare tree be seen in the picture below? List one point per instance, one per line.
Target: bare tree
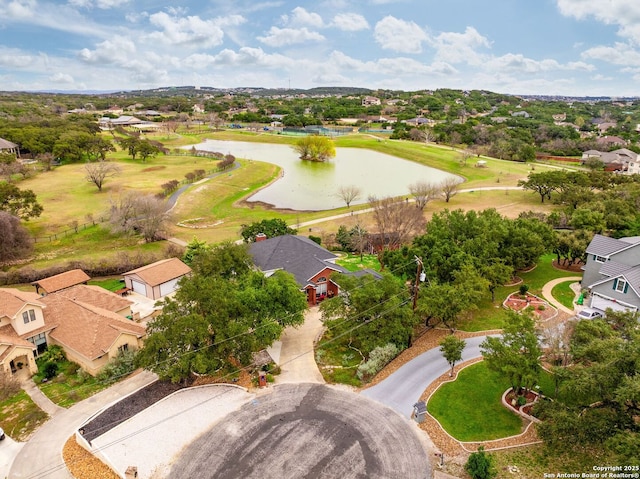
(396, 222)
(349, 194)
(144, 214)
(423, 192)
(97, 172)
(464, 156)
(15, 241)
(449, 187)
(9, 385)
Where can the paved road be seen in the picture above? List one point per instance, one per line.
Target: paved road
(41, 457)
(307, 430)
(403, 389)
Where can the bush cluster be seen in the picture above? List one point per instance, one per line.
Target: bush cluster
(378, 359)
(121, 263)
(122, 365)
(227, 162)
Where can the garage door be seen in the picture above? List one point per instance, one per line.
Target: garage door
(139, 287)
(600, 303)
(168, 287)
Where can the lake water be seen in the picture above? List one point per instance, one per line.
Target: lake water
(310, 185)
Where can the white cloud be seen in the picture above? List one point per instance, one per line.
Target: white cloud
(350, 22)
(191, 30)
(19, 9)
(392, 33)
(14, 58)
(278, 37)
(619, 54)
(118, 50)
(518, 63)
(389, 66)
(624, 13)
(102, 4)
(246, 56)
(300, 17)
(61, 78)
(460, 47)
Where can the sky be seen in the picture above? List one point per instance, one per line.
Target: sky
(535, 47)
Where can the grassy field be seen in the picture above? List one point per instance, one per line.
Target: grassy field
(214, 210)
(353, 262)
(470, 409)
(69, 386)
(564, 294)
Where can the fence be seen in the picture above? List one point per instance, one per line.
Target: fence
(67, 232)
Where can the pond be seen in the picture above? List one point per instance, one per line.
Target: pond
(313, 186)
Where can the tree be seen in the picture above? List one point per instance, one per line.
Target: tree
(15, 241)
(143, 214)
(369, 312)
(516, 353)
(99, 171)
(480, 465)
(544, 183)
(349, 194)
(130, 143)
(270, 228)
(396, 222)
(216, 321)
(449, 187)
(423, 192)
(98, 147)
(195, 248)
(315, 148)
(146, 149)
(17, 202)
(451, 348)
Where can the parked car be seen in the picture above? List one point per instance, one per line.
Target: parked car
(1, 434)
(590, 313)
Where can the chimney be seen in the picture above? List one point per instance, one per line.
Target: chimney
(261, 237)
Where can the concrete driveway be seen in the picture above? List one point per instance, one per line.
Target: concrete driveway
(402, 389)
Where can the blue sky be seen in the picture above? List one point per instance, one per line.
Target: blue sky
(561, 47)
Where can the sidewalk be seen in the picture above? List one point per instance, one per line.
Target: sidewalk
(41, 400)
(547, 288)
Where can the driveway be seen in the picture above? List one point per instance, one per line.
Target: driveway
(402, 389)
(41, 456)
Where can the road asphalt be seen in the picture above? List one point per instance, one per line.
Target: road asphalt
(402, 389)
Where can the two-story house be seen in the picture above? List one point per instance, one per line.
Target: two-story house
(612, 273)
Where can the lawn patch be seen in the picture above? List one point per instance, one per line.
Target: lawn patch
(20, 416)
(470, 408)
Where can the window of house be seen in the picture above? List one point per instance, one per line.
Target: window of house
(40, 341)
(321, 279)
(123, 349)
(599, 259)
(25, 317)
(621, 286)
(32, 315)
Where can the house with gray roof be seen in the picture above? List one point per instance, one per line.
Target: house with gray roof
(612, 273)
(310, 264)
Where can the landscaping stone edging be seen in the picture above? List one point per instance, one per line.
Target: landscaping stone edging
(548, 305)
(519, 411)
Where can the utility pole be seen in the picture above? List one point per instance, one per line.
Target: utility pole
(420, 276)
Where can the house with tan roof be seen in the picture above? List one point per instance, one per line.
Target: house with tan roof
(90, 323)
(21, 323)
(61, 281)
(156, 279)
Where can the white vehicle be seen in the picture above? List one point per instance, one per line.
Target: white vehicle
(590, 313)
(1, 434)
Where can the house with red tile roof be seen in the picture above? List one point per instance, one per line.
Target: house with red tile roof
(61, 281)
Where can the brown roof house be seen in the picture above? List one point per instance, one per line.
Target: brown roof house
(156, 279)
(61, 281)
(88, 322)
(21, 319)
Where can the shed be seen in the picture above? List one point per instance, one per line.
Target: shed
(156, 279)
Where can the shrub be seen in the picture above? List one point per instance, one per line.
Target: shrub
(49, 370)
(54, 353)
(480, 465)
(523, 289)
(521, 401)
(378, 359)
(316, 239)
(120, 366)
(541, 307)
(9, 386)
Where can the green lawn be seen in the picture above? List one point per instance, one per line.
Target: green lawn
(337, 362)
(110, 284)
(353, 262)
(564, 294)
(491, 315)
(19, 416)
(470, 408)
